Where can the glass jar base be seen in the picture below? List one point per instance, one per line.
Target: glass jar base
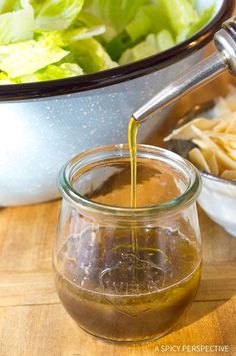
(116, 341)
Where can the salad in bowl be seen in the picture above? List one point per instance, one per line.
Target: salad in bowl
(43, 40)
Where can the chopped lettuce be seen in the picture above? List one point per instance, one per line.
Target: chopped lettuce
(54, 39)
(181, 14)
(164, 40)
(6, 5)
(57, 14)
(53, 72)
(4, 79)
(82, 33)
(89, 19)
(193, 28)
(146, 48)
(17, 25)
(150, 18)
(151, 45)
(13, 5)
(27, 57)
(91, 56)
(117, 14)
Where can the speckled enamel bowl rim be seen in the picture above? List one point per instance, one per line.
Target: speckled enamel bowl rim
(185, 199)
(123, 73)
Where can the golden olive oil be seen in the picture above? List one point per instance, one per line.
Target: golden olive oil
(132, 140)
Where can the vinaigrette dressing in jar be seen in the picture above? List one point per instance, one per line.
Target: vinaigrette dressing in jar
(128, 273)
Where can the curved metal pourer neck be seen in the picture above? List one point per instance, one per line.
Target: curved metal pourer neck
(222, 60)
(225, 42)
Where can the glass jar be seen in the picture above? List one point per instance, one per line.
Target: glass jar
(128, 274)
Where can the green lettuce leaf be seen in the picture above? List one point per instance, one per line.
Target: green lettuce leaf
(149, 18)
(16, 25)
(151, 45)
(204, 18)
(4, 79)
(181, 14)
(13, 5)
(116, 14)
(164, 40)
(53, 72)
(50, 39)
(91, 56)
(193, 2)
(8, 5)
(82, 33)
(57, 14)
(89, 19)
(144, 49)
(27, 57)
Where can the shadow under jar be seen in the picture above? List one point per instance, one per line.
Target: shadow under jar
(128, 274)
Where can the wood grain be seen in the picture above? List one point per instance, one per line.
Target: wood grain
(48, 330)
(32, 320)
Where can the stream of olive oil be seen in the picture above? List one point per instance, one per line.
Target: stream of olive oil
(132, 139)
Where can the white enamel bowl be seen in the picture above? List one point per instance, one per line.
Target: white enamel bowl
(42, 125)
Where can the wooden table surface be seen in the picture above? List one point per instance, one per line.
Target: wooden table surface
(34, 323)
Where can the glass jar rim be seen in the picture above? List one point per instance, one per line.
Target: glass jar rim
(117, 151)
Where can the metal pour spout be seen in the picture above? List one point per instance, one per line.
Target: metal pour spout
(224, 59)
